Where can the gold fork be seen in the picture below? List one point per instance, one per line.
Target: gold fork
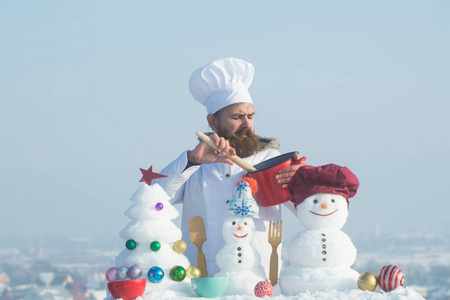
(275, 233)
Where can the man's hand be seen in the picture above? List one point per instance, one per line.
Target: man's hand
(285, 174)
(204, 154)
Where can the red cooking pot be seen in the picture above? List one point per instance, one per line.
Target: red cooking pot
(270, 192)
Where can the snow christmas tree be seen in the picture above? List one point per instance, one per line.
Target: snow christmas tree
(153, 242)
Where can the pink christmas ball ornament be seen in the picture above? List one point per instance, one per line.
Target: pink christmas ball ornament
(390, 277)
(111, 274)
(263, 288)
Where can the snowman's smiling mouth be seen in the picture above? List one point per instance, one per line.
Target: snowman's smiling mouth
(240, 237)
(323, 215)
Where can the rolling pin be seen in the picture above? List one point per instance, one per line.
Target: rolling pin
(236, 159)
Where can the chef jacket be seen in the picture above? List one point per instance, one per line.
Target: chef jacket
(204, 191)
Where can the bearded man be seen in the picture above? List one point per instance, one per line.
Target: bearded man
(203, 179)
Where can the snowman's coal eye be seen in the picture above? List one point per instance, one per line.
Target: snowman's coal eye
(315, 201)
(234, 223)
(332, 200)
(245, 223)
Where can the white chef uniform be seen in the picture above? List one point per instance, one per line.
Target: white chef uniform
(204, 190)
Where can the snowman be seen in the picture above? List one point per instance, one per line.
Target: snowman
(238, 260)
(321, 256)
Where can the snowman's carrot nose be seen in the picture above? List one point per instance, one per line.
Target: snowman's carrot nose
(240, 228)
(324, 205)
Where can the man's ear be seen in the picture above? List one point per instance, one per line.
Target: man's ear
(212, 122)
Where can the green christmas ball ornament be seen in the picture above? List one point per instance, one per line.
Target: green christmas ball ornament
(131, 244)
(155, 246)
(177, 273)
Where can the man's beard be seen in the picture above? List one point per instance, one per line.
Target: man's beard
(244, 141)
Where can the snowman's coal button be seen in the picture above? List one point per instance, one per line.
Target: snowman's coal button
(239, 261)
(324, 252)
(324, 240)
(228, 175)
(324, 259)
(324, 246)
(239, 248)
(239, 254)
(323, 234)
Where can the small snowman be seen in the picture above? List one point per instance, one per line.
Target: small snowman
(238, 260)
(321, 255)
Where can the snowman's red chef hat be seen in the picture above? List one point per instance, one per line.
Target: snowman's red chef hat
(330, 179)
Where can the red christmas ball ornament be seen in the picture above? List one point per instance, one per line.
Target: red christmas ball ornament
(264, 288)
(390, 277)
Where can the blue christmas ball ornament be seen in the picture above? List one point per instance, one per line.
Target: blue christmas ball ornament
(155, 274)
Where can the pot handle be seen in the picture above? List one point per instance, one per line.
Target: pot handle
(302, 159)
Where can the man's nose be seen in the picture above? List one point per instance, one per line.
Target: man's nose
(246, 122)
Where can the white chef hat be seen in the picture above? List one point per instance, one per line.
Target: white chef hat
(221, 83)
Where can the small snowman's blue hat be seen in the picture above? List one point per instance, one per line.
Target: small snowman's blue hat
(243, 204)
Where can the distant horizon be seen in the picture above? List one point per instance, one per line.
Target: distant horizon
(289, 232)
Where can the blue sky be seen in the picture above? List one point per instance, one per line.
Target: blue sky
(91, 91)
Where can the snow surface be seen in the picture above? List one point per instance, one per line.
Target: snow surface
(400, 293)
